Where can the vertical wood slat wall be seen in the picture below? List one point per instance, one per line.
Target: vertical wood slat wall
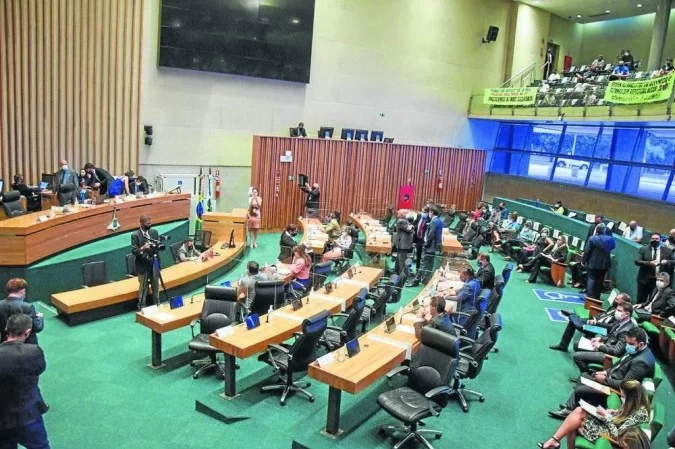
(355, 176)
(70, 75)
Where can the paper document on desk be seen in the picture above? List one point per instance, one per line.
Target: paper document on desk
(588, 408)
(163, 316)
(406, 329)
(595, 385)
(671, 319)
(585, 344)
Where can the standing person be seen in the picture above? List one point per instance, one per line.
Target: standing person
(254, 204)
(97, 178)
(145, 263)
(65, 176)
(548, 63)
(597, 259)
(403, 239)
(421, 223)
(431, 245)
(652, 259)
(287, 243)
(15, 303)
(21, 404)
(313, 196)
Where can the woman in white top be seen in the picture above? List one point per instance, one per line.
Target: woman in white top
(254, 204)
(342, 243)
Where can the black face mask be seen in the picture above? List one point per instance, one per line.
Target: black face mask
(293, 234)
(671, 239)
(655, 244)
(146, 227)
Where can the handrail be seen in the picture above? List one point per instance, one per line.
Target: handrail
(527, 71)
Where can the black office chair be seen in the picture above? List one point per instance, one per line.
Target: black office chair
(267, 293)
(219, 310)
(289, 359)
(94, 273)
(67, 194)
(506, 272)
(472, 357)
(380, 296)
(202, 240)
(496, 296)
(11, 204)
(320, 273)
(337, 336)
(174, 251)
(342, 264)
(131, 266)
(428, 388)
(467, 322)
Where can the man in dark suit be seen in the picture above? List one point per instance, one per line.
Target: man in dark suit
(403, 240)
(652, 259)
(32, 195)
(287, 242)
(614, 343)
(605, 319)
(313, 196)
(637, 364)
(591, 231)
(97, 178)
(597, 259)
(299, 131)
(431, 244)
(13, 304)
(486, 271)
(146, 268)
(660, 299)
(21, 404)
(420, 224)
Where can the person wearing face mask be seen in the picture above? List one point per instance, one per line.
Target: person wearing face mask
(558, 208)
(145, 267)
(486, 271)
(627, 59)
(637, 364)
(614, 343)
(287, 242)
(403, 239)
(65, 176)
(558, 254)
(634, 412)
(524, 238)
(466, 296)
(542, 244)
(633, 232)
(343, 243)
(138, 185)
(16, 303)
(604, 319)
(659, 301)
(652, 259)
(421, 222)
(597, 258)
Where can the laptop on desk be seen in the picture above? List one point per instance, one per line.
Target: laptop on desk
(43, 185)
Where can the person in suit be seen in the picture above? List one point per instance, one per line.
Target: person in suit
(637, 364)
(287, 242)
(147, 270)
(430, 246)
(15, 303)
(660, 299)
(32, 195)
(651, 260)
(614, 343)
(558, 255)
(596, 257)
(486, 271)
(313, 196)
(435, 316)
(403, 239)
(65, 176)
(21, 404)
(138, 185)
(591, 231)
(605, 319)
(299, 131)
(97, 178)
(670, 241)
(187, 251)
(420, 224)
(467, 295)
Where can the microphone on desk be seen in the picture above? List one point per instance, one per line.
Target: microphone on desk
(404, 314)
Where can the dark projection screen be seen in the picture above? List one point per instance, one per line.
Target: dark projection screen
(262, 38)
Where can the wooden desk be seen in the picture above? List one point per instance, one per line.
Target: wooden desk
(312, 234)
(450, 243)
(378, 240)
(284, 322)
(24, 204)
(380, 352)
(221, 225)
(25, 240)
(85, 304)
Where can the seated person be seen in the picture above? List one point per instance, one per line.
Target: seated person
(299, 131)
(553, 77)
(434, 316)
(300, 268)
(187, 251)
(589, 98)
(619, 72)
(32, 198)
(659, 301)
(287, 243)
(542, 244)
(507, 230)
(558, 208)
(332, 228)
(667, 67)
(581, 86)
(486, 272)
(137, 184)
(598, 64)
(524, 238)
(97, 178)
(634, 412)
(341, 244)
(614, 343)
(467, 295)
(605, 319)
(579, 273)
(628, 60)
(638, 364)
(246, 285)
(558, 254)
(633, 232)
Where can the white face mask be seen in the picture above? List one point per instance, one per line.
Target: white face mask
(618, 315)
(64, 167)
(660, 284)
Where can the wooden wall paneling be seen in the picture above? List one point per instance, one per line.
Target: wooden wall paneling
(4, 142)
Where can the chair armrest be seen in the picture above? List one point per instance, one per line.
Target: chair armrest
(278, 348)
(295, 335)
(465, 339)
(608, 362)
(336, 329)
(560, 264)
(595, 311)
(469, 359)
(193, 323)
(443, 389)
(396, 371)
(592, 302)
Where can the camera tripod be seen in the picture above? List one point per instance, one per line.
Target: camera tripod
(148, 280)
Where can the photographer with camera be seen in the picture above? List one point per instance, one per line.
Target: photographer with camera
(145, 244)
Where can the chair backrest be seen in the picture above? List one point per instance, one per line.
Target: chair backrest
(303, 351)
(506, 272)
(351, 323)
(480, 305)
(174, 251)
(11, 204)
(496, 296)
(220, 292)
(484, 344)
(435, 363)
(267, 293)
(217, 313)
(202, 240)
(94, 273)
(131, 265)
(320, 272)
(384, 294)
(67, 194)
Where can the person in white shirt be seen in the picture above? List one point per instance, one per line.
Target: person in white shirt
(670, 243)
(589, 98)
(342, 243)
(188, 252)
(598, 64)
(554, 76)
(633, 232)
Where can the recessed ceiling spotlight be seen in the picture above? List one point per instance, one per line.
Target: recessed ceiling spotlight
(578, 16)
(608, 11)
(296, 21)
(639, 5)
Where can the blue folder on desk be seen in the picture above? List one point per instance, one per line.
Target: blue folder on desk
(252, 321)
(595, 329)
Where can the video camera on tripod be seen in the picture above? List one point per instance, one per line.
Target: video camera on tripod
(157, 244)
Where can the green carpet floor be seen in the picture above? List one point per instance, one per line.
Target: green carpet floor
(102, 394)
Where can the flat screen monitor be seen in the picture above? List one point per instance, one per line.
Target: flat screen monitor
(347, 134)
(2, 184)
(376, 136)
(48, 178)
(361, 134)
(326, 132)
(388, 140)
(43, 185)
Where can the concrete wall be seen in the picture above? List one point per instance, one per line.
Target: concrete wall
(568, 35)
(532, 29)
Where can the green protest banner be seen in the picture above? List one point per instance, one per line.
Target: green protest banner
(510, 96)
(637, 92)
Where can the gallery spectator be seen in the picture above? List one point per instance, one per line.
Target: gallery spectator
(627, 59)
(598, 63)
(633, 232)
(553, 77)
(667, 67)
(620, 72)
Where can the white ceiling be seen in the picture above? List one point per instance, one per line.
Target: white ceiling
(570, 9)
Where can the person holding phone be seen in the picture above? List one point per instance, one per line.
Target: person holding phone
(16, 303)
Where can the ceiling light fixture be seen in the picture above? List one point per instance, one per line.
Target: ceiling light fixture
(639, 5)
(296, 21)
(608, 11)
(578, 16)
